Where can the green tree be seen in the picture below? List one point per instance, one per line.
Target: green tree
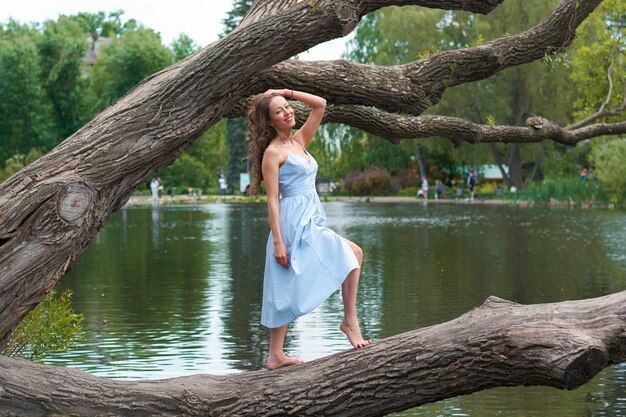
(62, 47)
(136, 54)
(598, 73)
(18, 161)
(234, 15)
(201, 164)
(25, 113)
(183, 46)
(607, 157)
(400, 35)
(236, 127)
(108, 25)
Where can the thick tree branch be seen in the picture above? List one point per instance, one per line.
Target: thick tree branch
(395, 128)
(414, 87)
(475, 6)
(263, 8)
(501, 343)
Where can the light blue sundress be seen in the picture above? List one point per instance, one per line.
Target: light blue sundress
(319, 260)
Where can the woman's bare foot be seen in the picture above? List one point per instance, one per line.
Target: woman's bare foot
(279, 361)
(353, 331)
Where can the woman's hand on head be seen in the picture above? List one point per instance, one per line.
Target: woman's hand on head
(281, 255)
(283, 92)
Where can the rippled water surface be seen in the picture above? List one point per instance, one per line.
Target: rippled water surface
(170, 291)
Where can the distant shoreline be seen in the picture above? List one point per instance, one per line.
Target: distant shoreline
(208, 199)
(184, 199)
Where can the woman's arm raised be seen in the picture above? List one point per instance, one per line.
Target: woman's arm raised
(318, 104)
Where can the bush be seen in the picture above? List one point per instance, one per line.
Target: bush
(49, 327)
(564, 190)
(608, 157)
(486, 188)
(406, 178)
(409, 191)
(374, 181)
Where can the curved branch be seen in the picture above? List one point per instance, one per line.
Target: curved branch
(475, 6)
(501, 343)
(395, 127)
(414, 87)
(602, 111)
(263, 8)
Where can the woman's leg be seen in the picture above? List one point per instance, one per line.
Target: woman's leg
(349, 289)
(277, 358)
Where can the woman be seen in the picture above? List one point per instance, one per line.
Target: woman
(305, 261)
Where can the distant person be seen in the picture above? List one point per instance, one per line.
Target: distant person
(424, 188)
(305, 261)
(223, 185)
(583, 174)
(160, 188)
(440, 191)
(154, 189)
(191, 195)
(471, 183)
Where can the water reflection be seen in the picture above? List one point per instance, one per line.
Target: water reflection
(169, 291)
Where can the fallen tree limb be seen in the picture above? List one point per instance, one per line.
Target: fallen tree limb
(500, 343)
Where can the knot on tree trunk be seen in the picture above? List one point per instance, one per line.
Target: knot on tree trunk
(349, 17)
(584, 367)
(73, 202)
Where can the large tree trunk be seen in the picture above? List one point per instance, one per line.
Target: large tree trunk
(501, 343)
(51, 210)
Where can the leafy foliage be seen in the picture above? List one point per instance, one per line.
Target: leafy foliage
(17, 162)
(566, 190)
(49, 93)
(62, 47)
(236, 128)
(602, 39)
(373, 181)
(400, 35)
(127, 60)
(234, 15)
(51, 326)
(183, 46)
(25, 112)
(202, 163)
(609, 160)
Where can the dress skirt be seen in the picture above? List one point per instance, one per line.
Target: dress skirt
(319, 259)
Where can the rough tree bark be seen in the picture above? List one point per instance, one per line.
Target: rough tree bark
(51, 209)
(501, 343)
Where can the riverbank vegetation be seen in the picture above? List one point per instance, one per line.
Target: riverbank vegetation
(52, 326)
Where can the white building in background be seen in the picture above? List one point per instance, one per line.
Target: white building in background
(491, 172)
(95, 46)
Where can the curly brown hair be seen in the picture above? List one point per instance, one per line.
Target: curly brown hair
(260, 134)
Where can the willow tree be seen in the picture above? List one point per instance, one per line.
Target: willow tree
(51, 209)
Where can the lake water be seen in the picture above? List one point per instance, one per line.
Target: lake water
(176, 290)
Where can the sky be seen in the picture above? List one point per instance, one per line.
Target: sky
(200, 20)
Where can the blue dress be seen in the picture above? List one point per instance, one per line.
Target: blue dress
(319, 259)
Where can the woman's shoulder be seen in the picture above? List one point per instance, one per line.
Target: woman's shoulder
(272, 150)
(274, 153)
